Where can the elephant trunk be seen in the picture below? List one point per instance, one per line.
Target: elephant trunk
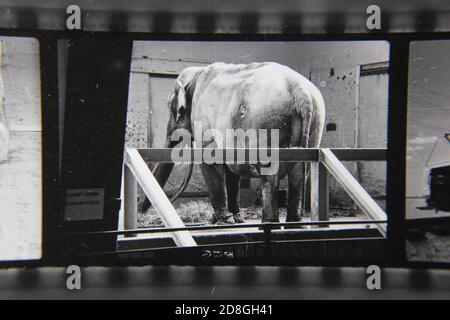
(162, 173)
(163, 170)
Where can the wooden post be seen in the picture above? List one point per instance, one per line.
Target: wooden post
(130, 198)
(319, 193)
(158, 198)
(353, 188)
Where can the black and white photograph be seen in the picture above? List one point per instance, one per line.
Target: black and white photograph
(20, 150)
(196, 150)
(255, 85)
(428, 157)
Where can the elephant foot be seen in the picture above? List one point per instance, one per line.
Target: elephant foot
(238, 218)
(223, 218)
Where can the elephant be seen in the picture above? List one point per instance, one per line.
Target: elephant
(264, 95)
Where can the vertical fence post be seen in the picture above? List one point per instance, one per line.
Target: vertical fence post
(121, 222)
(319, 193)
(158, 198)
(130, 195)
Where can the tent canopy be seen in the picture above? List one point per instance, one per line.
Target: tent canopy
(440, 154)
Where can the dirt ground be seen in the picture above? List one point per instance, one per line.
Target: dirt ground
(432, 245)
(433, 248)
(21, 198)
(427, 245)
(198, 211)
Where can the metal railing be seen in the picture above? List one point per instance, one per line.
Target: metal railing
(324, 161)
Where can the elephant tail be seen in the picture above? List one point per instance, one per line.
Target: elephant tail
(317, 121)
(311, 110)
(310, 107)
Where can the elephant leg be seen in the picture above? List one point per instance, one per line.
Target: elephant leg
(296, 189)
(269, 187)
(233, 181)
(215, 180)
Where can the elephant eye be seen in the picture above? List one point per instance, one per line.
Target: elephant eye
(242, 111)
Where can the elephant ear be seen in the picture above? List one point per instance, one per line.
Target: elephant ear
(185, 85)
(170, 99)
(181, 99)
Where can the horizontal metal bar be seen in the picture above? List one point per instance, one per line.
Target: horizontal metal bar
(218, 245)
(284, 154)
(130, 251)
(374, 68)
(157, 74)
(218, 227)
(377, 154)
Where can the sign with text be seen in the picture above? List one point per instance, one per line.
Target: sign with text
(83, 204)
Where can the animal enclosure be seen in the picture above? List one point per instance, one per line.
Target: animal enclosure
(352, 78)
(324, 162)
